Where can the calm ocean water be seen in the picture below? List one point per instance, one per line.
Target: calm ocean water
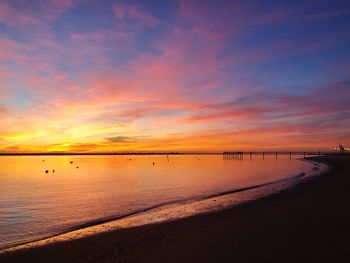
(35, 204)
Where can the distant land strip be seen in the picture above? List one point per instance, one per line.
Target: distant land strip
(182, 153)
(114, 153)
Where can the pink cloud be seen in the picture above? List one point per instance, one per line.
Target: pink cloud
(61, 5)
(224, 20)
(3, 112)
(324, 112)
(331, 98)
(213, 116)
(4, 74)
(134, 13)
(30, 13)
(329, 14)
(52, 9)
(13, 16)
(96, 36)
(119, 33)
(12, 51)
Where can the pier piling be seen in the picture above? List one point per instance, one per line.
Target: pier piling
(239, 155)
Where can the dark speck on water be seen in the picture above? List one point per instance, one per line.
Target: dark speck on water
(46, 171)
(53, 171)
(71, 161)
(77, 167)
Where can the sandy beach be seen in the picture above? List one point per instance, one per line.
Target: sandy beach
(305, 223)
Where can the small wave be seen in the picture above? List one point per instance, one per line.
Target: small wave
(178, 202)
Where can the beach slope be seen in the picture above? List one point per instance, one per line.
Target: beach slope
(306, 223)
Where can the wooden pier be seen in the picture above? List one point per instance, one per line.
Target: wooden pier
(239, 155)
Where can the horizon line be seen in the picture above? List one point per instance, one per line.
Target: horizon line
(164, 152)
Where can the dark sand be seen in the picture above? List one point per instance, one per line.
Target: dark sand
(306, 223)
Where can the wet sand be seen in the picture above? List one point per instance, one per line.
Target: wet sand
(306, 223)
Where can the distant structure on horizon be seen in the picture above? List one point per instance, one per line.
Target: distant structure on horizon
(342, 148)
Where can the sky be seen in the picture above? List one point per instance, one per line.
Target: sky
(207, 76)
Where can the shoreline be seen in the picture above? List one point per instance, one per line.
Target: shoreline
(176, 210)
(197, 237)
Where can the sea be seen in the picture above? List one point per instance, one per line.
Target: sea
(43, 196)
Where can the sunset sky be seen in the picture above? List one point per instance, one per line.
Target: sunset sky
(109, 76)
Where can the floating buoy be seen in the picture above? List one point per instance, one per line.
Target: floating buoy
(53, 171)
(153, 163)
(71, 161)
(46, 171)
(77, 167)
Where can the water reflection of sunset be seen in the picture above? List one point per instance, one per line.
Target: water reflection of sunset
(36, 204)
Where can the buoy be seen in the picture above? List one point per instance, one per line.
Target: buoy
(71, 161)
(53, 171)
(46, 171)
(77, 167)
(153, 163)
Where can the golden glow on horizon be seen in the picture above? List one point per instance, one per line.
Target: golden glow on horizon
(58, 131)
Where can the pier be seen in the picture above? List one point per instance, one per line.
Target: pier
(240, 155)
